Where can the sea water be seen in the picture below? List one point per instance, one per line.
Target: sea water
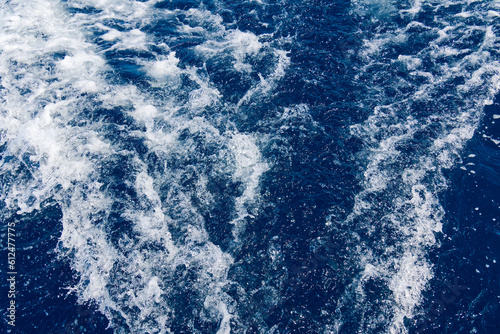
(251, 166)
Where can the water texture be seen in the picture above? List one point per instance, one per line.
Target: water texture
(251, 166)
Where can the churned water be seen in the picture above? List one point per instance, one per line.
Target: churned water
(250, 166)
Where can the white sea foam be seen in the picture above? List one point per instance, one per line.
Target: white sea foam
(376, 8)
(400, 189)
(164, 71)
(125, 244)
(249, 168)
(267, 84)
(238, 43)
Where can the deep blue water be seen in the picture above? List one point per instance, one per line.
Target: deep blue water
(251, 167)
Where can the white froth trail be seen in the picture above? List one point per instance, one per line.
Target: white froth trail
(401, 189)
(40, 99)
(52, 76)
(40, 93)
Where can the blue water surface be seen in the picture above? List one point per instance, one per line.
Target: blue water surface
(252, 167)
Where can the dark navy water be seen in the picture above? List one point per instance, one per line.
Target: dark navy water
(250, 166)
